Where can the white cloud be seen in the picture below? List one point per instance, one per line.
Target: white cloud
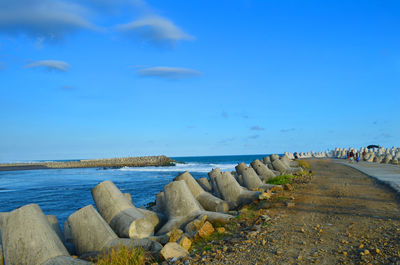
(44, 20)
(50, 19)
(155, 29)
(50, 65)
(168, 72)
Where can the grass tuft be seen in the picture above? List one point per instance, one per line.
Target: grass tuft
(304, 164)
(123, 256)
(282, 179)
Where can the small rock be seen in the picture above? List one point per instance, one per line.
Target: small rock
(174, 234)
(185, 242)
(173, 250)
(220, 230)
(206, 230)
(288, 187)
(290, 204)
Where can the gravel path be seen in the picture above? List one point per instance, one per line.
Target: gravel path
(341, 217)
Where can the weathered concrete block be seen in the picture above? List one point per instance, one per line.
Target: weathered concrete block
(53, 221)
(212, 175)
(266, 160)
(183, 207)
(207, 200)
(125, 219)
(28, 238)
(232, 192)
(262, 170)
(91, 233)
(205, 184)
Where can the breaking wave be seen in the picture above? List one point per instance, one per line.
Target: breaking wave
(191, 167)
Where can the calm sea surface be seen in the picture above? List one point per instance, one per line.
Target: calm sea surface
(62, 191)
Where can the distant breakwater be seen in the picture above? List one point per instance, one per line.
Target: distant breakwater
(143, 161)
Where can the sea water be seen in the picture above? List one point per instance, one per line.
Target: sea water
(61, 192)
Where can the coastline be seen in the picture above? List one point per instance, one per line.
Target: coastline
(143, 161)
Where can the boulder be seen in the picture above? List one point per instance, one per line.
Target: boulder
(173, 250)
(123, 217)
(207, 200)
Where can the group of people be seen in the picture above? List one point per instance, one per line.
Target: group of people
(354, 156)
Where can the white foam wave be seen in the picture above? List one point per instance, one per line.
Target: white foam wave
(191, 167)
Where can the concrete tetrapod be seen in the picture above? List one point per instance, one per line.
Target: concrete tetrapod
(53, 221)
(267, 160)
(182, 207)
(289, 162)
(262, 170)
(28, 238)
(250, 178)
(124, 218)
(213, 175)
(205, 184)
(284, 169)
(157, 219)
(160, 202)
(207, 200)
(232, 192)
(91, 233)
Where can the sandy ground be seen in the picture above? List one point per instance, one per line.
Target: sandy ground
(341, 217)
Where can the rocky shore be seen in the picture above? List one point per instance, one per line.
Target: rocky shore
(143, 161)
(271, 211)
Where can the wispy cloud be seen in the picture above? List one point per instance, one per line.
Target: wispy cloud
(68, 88)
(224, 114)
(50, 65)
(168, 72)
(256, 128)
(50, 19)
(287, 130)
(155, 29)
(45, 20)
(255, 136)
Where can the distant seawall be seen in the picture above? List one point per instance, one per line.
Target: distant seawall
(143, 161)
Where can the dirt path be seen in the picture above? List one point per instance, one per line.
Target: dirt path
(340, 217)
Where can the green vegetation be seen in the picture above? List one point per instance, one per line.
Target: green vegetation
(123, 256)
(282, 179)
(304, 164)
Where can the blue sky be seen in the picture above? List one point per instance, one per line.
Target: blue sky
(99, 78)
